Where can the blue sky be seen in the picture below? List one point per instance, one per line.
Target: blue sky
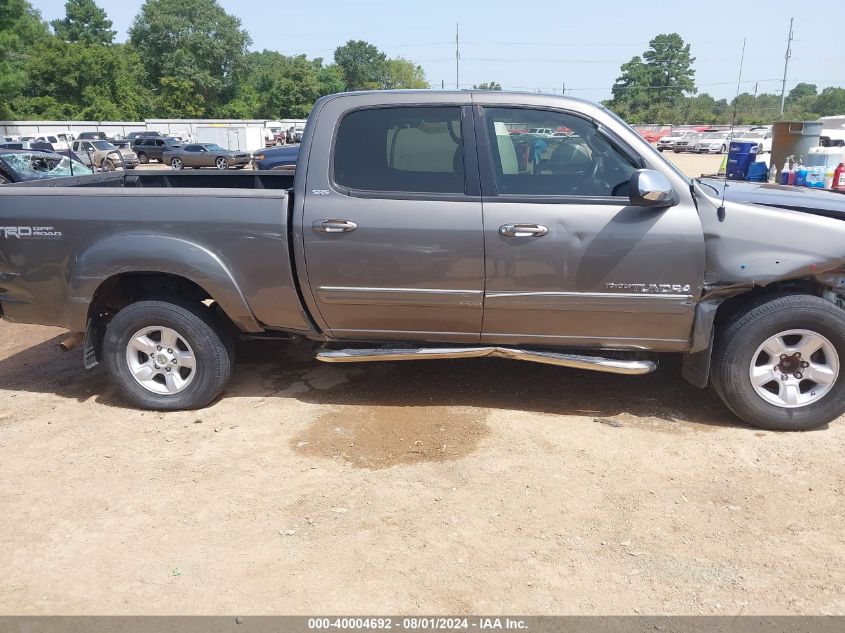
(544, 44)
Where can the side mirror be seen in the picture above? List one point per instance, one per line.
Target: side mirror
(650, 188)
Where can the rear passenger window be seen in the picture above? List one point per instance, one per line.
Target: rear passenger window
(401, 150)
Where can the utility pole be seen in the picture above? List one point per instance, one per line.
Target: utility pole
(786, 67)
(457, 55)
(563, 89)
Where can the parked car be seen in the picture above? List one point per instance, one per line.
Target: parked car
(33, 145)
(385, 253)
(93, 136)
(205, 155)
(541, 131)
(104, 155)
(763, 138)
(28, 165)
(153, 147)
(687, 142)
(295, 134)
(53, 140)
(713, 143)
(183, 136)
(668, 141)
(277, 158)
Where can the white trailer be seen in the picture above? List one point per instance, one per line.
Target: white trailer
(234, 137)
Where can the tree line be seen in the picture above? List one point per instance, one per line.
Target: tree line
(659, 87)
(183, 59)
(191, 59)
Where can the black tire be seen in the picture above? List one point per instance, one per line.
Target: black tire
(214, 353)
(108, 165)
(736, 347)
(723, 149)
(142, 158)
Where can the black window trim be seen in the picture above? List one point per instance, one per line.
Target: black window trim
(472, 182)
(489, 187)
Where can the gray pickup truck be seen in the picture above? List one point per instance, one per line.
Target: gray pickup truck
(417, 226)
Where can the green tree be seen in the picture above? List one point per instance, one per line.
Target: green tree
(270, 85)
(656, 82)
(830, 102)
(21, 27)
(362, 65)
(191, 49)
(802, 90)
(492, 85)
(402, 73)
(84, 22)
(91, 81)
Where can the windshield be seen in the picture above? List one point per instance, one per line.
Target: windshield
(718, 135)
(38, 165)
(213, 147)
(753, 135)
(103, 145)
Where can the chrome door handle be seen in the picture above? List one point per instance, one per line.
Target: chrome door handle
(523, 230)
(333, 226)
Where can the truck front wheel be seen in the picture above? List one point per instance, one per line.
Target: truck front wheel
(167, 356)
(779, 366)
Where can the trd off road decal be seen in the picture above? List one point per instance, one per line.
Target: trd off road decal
(30, 233)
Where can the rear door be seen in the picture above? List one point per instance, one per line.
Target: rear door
(569, 262)
(392, 225)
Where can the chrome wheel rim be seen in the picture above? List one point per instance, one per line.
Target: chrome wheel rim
(222, 163)
(176, 163)
(794, 368)
(161, 360)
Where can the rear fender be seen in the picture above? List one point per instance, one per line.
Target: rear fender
(145, 253)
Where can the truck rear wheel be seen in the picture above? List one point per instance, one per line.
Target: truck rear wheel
(167, 356)
(779, 366)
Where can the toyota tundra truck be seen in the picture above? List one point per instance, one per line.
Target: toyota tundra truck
(417, 227)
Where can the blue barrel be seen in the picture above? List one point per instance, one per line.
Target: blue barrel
(740, 157)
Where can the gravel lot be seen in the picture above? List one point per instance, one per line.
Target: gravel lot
(478, 486)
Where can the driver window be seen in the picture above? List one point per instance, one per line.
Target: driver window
(546, 153)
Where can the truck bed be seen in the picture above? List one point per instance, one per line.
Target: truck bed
(225, 231)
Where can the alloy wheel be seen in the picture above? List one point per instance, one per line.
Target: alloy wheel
(794, 368)
(161, 360)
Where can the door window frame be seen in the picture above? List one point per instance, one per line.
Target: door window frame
(472, 182)
(487, 168)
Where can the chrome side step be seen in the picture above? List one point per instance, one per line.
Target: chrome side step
(591, 363)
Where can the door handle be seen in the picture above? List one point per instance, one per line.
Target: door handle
(333, 226)
(523, 230)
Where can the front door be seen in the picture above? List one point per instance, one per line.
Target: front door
(569, 262)
(392, 223)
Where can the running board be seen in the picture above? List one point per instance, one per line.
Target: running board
(592, 363)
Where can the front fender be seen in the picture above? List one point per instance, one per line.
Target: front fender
(147, 253)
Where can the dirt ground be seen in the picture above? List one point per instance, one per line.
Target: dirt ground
(477, 486)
